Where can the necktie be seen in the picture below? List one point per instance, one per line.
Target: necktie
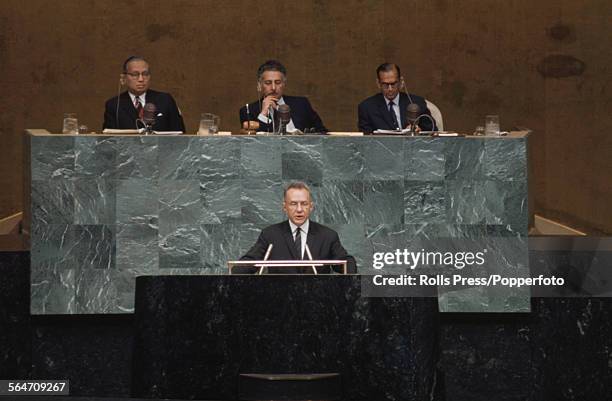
(298, 242)
(393, 116)
(139, 109)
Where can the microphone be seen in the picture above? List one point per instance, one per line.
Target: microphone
(314, 269)
(266, 256)
(148, 116)
(413, 111)
(284, 116)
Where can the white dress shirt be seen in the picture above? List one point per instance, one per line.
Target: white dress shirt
(303, 235)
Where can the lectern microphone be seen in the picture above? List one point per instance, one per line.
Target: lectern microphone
(413, 111)
(284, 116)
(148, 115)
(266, 256)
(314, 269)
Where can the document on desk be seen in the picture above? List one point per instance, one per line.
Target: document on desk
(392, 131)
(168, 132)
(113, 131)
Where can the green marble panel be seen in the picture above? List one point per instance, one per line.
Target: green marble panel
(106, 209)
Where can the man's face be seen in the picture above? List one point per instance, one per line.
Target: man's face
(389, 83)
(297, 205)
(137, 77)
(272, 83)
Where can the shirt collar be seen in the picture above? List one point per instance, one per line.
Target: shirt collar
(141, 97)
(304, 227)
(395, 100)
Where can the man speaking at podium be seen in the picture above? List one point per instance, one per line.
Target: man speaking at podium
(126, 111)
(293, 239)
(387, 109)
(271, 82)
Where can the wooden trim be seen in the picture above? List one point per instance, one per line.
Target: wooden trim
(544, 226)
(10, 224)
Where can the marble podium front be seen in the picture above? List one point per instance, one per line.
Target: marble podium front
(106, 209)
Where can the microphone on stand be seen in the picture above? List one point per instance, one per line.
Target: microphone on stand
(413, 112)
(266, 256)
(148, 117)
(284, 116)
(314, 269)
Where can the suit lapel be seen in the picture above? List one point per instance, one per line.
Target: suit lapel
(295, 110)
(312, 240)
(288, 235)
(384, 110)
(128, 107)
(151, 97)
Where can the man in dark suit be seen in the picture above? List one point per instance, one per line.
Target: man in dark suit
(271, 82)
(387, 110)
(298, 237)
(124, 111)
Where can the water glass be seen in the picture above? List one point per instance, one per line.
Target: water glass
(491, 125)
(71, 124)
(209, 124)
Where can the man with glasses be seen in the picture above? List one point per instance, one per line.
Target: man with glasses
(261, 114)
(298, 238)
(126, 111)
(387, 110)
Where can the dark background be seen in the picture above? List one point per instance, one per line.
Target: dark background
(543, 65)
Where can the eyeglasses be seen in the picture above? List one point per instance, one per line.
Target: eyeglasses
(389, 85)
(294, 205)
(277, 82)
(136, 75)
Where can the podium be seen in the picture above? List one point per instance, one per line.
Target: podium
(196, 335)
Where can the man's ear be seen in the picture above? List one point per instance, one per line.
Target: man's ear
(122, 79)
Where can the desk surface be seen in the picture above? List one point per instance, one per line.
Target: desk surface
(44, 132)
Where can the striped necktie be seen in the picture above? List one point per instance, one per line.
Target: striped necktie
(298, 242)
(138, 106)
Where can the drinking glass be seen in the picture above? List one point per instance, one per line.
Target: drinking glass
(209, 124)
(71, 124)
(491, 125)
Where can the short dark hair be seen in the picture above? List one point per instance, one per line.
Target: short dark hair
(386, 67)
(297, 185)
(271, 65)
(130, 59)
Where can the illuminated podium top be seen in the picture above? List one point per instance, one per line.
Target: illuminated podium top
(262, 265)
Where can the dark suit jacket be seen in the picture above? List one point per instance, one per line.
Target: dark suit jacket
(323, 242)
(374, 113)
(170, 120)
(302, 114)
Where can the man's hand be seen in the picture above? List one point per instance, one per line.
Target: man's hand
(417, 128)
(268, 101)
